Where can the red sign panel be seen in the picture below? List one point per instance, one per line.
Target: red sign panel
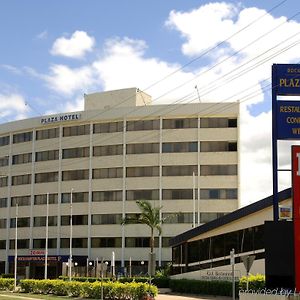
(296, 211)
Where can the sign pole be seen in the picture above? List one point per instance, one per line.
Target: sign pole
(232, 266)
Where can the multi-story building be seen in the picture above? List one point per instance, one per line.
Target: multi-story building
(121, 148)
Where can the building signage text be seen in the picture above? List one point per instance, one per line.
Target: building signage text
(219, 275)
(287, 79)
(60, 118)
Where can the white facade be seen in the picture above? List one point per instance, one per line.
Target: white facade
(116, 151)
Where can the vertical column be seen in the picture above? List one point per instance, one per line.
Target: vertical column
(123, 195)
(32, 188)
(198, 171)
(160, 190)
(9, 184)
(90, 191)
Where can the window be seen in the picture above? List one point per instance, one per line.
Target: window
(142, 171)
(218, 194)
(75, 175)
(76, 243)
(2, 223)
(4, 140)
(76, 152)
(142, 148)
(108, 150)
(3, 181)
(180, 147)
(41, 221)
(180, 123)
(176, 194)
(42, 199)
(142, 125)
(107, 196)
(139, 242)
(142, 195)
(3, 202)
(46, 155)
(106, 219)
(218, 122)
(177, 218)
(22, 222)
(41, 243)
(76, 130)
(20, 200)
(47, 134)
(46, 177)
(21, 158)
(218, 146)
(2, 244)
(106, 242)
(107, 173)
(22, 244)
(108, 127)
(76, 197)
(210, 170)
(21, 179)
(4, 161)
(210, 216)
(22, 137)
(179, 170)
(76, 220)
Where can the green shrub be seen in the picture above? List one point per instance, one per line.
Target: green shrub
(216, 288)
(7, 275)
(6, 284)
(256, 282)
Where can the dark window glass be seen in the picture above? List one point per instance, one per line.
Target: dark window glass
(106, 242)
(218, 122)
(76, 243)
(41, 243)
(20, 200)
(180, 147)
(210, 216)
(75, 175)
(210, 170)
(22, 137)
(142, 148)
(177, 194)
(4, 140)
(3, 202)
(2, 244)
(22, 244)
(106, 219)
(179, 170)
(4, 161)
(47, 155)
(142, 195)
(22, 222)
(177, 218)
(142, 171)
(76, 220)
(76, 152)
(76, 130)
(46, 177)
(100, 196)
(139, 242)
(108, 127)
(21, 179)
(107, 173)
(41, 221)
(221, 146)
(108, 150)
(180, 123)
(207, 194)
(47, 134)
(3, 181)
(2, 223)
(42, 199)
(76, 197)
(142, 125)
(21, 158)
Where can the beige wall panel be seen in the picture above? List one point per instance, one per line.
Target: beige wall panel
(169, 159)
(218, 158)
(20, 190)
(44, 188)
(218, 205)
(177, 182)
(107, 184)
(79, 231)
(47, 144)
(24, 211)
(4, 192)
(4, 170)
(75, 141)
(174, 229)
(105, 208)
(75, 163)
(218, 134)
(107, 139)
(76, 185)
(77, 208)
(21, 148)
(107, 161)
(134, 160)
(40, 210)
(182, 135)
(218, 181)
(137, 230)
(21, 169)
(133, 183)
(143, 136)
(4, 150)
(114, 230)
(105, 253)
(47, 166)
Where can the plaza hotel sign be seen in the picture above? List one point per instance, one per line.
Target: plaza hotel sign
(61, 118)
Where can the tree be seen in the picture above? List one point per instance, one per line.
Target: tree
(149, 216)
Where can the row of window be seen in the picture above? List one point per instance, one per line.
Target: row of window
(96, 242)
(105, 219)
(118, 127)
(108, 150)
(117, 195)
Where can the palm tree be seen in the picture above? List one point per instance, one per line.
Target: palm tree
(149, 216)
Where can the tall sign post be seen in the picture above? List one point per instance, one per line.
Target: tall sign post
(285, 115)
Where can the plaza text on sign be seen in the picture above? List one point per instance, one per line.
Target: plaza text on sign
(287, 82)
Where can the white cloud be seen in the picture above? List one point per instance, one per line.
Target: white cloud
(42, 35)
(13, 106)
(67, 81)
(75, 47)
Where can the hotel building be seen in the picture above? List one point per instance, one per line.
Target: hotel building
(121, 148)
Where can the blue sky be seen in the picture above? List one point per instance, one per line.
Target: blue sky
(52, 52)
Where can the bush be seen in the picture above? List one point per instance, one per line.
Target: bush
(256, 282)
(6, 284)
(216, 288)
(7, 275)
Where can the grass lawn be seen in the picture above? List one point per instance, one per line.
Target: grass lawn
(15, 296)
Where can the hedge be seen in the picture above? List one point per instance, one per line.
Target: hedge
(204, 287)
(7, 284)
(255, 282)
(111, 290)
